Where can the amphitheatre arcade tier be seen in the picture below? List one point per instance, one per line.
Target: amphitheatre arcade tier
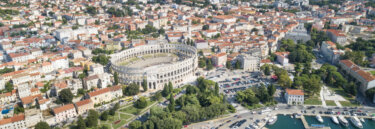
(159, 64)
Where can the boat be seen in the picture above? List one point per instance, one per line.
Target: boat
(335, 120)
(373, 118)
(272, 120)
(362, 120)
(296, 115)
(356, 122)
(319, 118)
(343, 121)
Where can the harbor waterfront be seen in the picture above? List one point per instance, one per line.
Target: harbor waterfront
(286, 122)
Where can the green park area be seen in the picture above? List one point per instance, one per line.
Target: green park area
(116, 120)
(313, 101)
(132, 109)
(349, 104)
(330, 103)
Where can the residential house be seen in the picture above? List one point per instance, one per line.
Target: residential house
(84, 106)
(282, 58)
(201, 44)
(330, 52)
(15, 122)
(294, 96)
(249, 63)
(30, 101)
(224, 19)
(91, 82)
(8, 97)
(60, 62)
(219, 59)
(105, 95)
(19, 57)
(366, 80)
(64, 113)
(337, 36)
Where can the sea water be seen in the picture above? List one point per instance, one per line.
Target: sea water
(286, 122)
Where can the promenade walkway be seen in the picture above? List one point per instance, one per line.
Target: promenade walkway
(307, 126)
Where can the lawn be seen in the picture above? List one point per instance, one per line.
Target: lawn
(330, 103)
(349, 104)
(372, 72)
(341, 92)
(135, 111)
(116, 121)
(131, 110)
(313, 101)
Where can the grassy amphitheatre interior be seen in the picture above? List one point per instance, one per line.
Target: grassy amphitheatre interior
(149, 60)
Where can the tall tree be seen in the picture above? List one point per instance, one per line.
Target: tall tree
(216, 88)
(170, 86)
(271, 90)
(238, 64)
(351, 88)
(297, 68)
(66, 96)
(202, 62)
(42, 125)
(92, 118)
(209, 64)
(81, 123)
(263, 93)
(9, 86)
(228, 65)
(172, 104)
(104, 116)
(144, 85)
(132, 89)
(141, 103)
(284, 81)
(135, 124)
(166, 90)
(115, 76)
(267, 71)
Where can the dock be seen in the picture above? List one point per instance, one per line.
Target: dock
(307, 126)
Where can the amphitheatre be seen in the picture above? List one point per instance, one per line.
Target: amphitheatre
(158, 63)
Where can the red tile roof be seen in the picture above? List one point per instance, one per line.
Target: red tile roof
(98, 92)
(105, 90)
(83, 102)
(294, 92)
(12, 119)
(63, 108)
(365, 75)
(30, 99)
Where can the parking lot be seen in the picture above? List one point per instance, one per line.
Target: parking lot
(231, 81)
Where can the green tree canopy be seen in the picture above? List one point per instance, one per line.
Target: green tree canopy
(92, 118)
(132, 89)
(81, 123)
(66, 96)
(144, 85)
(141, 103)
(135, 125)
(42, 125)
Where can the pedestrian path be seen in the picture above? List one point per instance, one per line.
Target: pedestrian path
(338, 104)
(322, 98)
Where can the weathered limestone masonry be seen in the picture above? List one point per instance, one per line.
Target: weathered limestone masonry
(159, 74)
